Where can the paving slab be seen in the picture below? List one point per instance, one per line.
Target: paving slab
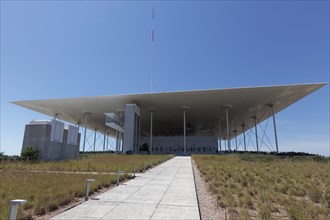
(164, 192)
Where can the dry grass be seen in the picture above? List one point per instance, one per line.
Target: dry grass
(91, 163)
(268, 187)
(46, 192)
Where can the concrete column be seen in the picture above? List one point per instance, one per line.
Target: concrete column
(107, 147)
(78, 136)
(104, 140)
(275, 131)
(243, 128)
(117, 142)
(94, 139)
(120, 134)
(256, 131)
(225, 143)
(184, 108)
(184, 132)
(121, 143)
(86, 117)
(227, 121)
(220, 134)
(151, 131)
(235, 132)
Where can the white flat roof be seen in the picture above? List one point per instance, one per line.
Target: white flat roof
(205, 107)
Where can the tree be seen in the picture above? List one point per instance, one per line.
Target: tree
(30, 153)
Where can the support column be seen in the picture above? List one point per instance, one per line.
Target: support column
(121, 143)
(86, 116)
(107, 148)
(120, 134)
(275, 131)
(117, 142)
(227, 122)
(94, 139)
(243, 128)
(151, 131)
(235, 132)
(184, 131)
(256, 131)
(104, 139)
(220, 133)
(184, 108)
(78, 124)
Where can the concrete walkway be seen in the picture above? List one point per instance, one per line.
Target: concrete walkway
(164, 192)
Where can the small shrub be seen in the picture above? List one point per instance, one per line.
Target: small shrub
(297, 191)
(248, 203)
(284, 189)
(294, 212)
(327, 198)
(30, 153)
(27, 206)
(64, 201)
(52, 206)
(40, 210)
(315, 194)
(265, 212)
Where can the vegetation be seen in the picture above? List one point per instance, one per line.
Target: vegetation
(267, 186)
(46, 191)
(91, 163)
(30, 153)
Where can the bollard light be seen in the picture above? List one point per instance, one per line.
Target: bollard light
(88, 181)
(144, 168)
(13, 208)
(134, 171)
(118, 173)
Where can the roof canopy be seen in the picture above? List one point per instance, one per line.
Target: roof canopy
(204, 108)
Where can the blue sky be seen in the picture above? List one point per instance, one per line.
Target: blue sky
(59, 49)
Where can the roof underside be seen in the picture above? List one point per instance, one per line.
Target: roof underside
(205, 108)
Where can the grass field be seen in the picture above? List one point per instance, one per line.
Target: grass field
(46, 192)
(91, 163)
(268, 187)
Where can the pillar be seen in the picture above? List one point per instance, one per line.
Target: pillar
(107, 147)
(184, 108)
(275, 131)
(104, 139)
(151, 131)
(235, 132)
(227, 122)
(243, 129)
(86, 117)
(256, 131)
(220, 134)
(94, 139)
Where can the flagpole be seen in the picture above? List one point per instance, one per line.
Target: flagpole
(152, 50)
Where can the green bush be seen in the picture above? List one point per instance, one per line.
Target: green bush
(30, 153)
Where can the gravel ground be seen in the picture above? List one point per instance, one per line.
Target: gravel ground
(207, 202)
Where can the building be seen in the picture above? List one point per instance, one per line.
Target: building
(205, 121)
(54, 140)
